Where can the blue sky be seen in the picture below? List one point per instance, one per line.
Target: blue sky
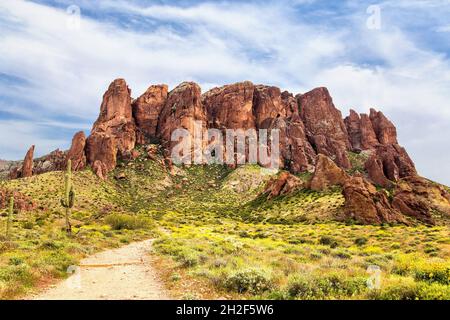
(52, 75)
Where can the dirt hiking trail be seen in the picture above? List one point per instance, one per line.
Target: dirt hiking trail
(123, 274)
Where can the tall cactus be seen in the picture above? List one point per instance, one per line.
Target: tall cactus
(10, 217)
(69, 196)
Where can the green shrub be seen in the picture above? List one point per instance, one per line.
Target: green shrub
(399, 289)
(249, 280)
(129, 222)
(187, 259)
(433, 272)
(328, 286)
(28, 225)
(434, 291)
(408, 289)
(328, 241)
(423, 270)
(360, 241)
(341, 254)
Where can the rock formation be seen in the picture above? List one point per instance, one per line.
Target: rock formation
(101, 153)
(366, 205)
(417, 197)
(114, 132)
(27, 167)
(313, 138)
(231, 106)
(183, 109)
(360, 130)
(284, 183)
(389, 161)
(384, 129)
(53, 161)
(146, 110)
(324, 125)
(327, 174)
(76, 152)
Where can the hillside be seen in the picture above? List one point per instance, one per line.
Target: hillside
(344, 206)
(215, 233)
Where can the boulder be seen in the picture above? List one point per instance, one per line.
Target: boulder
(284, 183)
(327, 174)
(100, 169)
(417, 197)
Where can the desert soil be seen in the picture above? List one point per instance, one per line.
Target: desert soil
(123, 274)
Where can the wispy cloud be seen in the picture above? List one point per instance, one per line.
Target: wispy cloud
(54, 75)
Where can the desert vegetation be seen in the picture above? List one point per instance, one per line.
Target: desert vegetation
(218, 237)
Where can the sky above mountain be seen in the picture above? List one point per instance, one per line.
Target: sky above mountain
(391, 55)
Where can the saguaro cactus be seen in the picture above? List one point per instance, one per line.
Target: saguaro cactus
(69, 196)
(10, 217)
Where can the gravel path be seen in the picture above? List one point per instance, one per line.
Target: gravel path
(119, 274)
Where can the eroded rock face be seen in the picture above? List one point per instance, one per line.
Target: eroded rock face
(325, 128)
(284, 183)
(146, 110)
(417, 197)
(231, 106)
(290, 103)
(54, 161)
(327, 174)
(384, 129)
(298, 154)
(101, 153)
(114, 132)
(366, 205)
(313, 136)
(374, 168)
(182, 110)
(116, 118)
(267, 106)
(361, 133)
(27, 166)
(76, 152)
(394, 161)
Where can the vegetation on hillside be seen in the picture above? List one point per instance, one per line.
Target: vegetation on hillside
(218, 237)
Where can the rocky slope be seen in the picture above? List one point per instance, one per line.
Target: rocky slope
(381, 186)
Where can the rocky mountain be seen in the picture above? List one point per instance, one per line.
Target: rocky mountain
(359, 153)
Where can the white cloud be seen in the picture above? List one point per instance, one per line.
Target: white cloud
(221, 42)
